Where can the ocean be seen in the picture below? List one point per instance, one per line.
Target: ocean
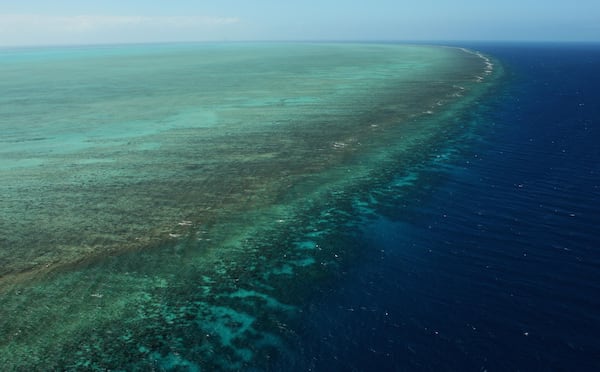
(310, 207)
(495, 266)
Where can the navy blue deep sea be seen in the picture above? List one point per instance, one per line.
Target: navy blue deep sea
(496, 266)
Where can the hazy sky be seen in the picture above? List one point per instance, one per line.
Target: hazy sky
(27, 22)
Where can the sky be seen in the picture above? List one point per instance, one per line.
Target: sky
(44, 22)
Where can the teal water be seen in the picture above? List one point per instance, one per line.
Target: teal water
(171, 206)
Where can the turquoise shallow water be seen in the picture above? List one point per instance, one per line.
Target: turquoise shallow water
(171, 205)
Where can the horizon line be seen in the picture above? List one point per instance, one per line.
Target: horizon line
(315, 41)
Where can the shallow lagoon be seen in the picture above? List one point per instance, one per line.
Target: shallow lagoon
(172, 205)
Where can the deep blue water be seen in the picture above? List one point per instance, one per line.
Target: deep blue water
(497, 265)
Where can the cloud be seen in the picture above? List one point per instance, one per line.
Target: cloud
(41, 29)
(89, 22)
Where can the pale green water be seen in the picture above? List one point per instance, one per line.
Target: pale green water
(170, 205)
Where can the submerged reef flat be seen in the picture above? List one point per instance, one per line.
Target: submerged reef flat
(169, 206)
